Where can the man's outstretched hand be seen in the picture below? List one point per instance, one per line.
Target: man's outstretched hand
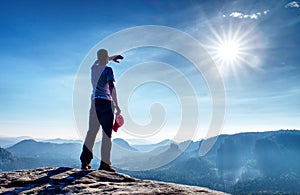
(118, 57)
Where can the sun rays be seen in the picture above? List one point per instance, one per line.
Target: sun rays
(230, 49)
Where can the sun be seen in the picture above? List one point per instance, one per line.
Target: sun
(228, 51)
(231, 49)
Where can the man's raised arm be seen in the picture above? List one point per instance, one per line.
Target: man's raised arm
(115, 58)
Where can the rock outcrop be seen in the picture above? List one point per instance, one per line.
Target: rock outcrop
(65, 180)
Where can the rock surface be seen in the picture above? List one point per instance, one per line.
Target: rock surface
(65, 180)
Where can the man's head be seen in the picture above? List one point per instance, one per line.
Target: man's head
(103, 57)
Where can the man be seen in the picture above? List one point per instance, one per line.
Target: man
(103, 102)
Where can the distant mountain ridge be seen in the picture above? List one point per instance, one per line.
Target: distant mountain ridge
(149, 147)
(10, 141)
(60, 141)
(240, 164)
(32, 148)
(124, 144)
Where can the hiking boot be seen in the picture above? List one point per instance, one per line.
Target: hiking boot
(106, 167)
(86, 166)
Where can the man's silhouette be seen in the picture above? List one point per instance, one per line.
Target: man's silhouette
(103, 102)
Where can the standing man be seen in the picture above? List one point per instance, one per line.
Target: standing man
(103, 102)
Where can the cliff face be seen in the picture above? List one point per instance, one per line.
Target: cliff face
(65, 180)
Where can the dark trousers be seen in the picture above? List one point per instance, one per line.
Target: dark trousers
(101, 113)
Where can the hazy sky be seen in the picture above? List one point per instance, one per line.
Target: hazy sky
(43, 43)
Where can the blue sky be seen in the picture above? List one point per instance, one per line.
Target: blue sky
(44, 42)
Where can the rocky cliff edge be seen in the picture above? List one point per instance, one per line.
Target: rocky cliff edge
(65, 180)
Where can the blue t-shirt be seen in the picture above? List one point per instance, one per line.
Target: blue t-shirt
(101, 74)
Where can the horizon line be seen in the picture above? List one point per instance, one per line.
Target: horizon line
(132, 139)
